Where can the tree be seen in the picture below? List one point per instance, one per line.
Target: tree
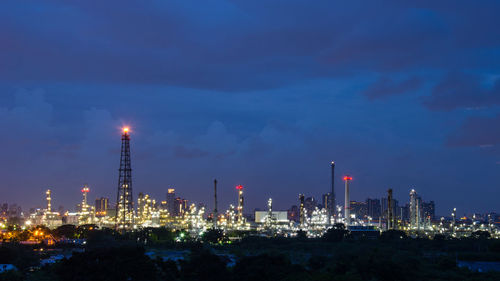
(268, 267)
(336, 233)
(116, 263)
(203, 265)
(393, 234)
(67, 231)
(213, 236)
(301, 235)
(480, 235)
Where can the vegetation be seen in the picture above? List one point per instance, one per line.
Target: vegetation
(109, 255)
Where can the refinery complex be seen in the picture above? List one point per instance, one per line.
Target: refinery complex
(132, 212)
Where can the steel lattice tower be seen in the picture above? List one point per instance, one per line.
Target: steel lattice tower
(124, 205)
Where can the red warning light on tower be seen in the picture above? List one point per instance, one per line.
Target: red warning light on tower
(85, 190)
(239, 187)
(347, 178)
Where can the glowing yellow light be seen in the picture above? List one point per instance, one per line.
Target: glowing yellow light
(126, 129)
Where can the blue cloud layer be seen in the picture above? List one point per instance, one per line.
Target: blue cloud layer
(260, 93)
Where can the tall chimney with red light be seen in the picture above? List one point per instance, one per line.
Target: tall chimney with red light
(347, 204)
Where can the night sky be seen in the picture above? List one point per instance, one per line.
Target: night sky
(264, 93)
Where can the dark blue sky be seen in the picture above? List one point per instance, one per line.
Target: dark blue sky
(259, 93)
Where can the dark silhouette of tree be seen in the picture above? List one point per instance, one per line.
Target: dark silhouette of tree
(83, 231)
(439, 237)
(213, 236)
(393, 235)
(336, 233)
(67, 231)
(168, 268)
(480, 235)
(202, 265)
(108, 264)
(301, 235)
(268, 268)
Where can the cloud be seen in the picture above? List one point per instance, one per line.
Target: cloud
(386, 87)
(238, 46)
(477, 131)
(460, 90)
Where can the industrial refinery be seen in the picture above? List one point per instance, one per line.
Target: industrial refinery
(364, 219)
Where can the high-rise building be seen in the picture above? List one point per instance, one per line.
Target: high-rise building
(415, 209)
(373, 208)
(171, 202)
(428, 210)
(403, 212)
(359, 209)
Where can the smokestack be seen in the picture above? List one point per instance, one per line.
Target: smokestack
(240, 203)
(49, 199)
(215, 205)
(347, 206)
(331, 205)
(390, 209)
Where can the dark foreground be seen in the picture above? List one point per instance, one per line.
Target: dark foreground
(105, 257)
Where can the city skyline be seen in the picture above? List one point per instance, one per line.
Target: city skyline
(398, 96)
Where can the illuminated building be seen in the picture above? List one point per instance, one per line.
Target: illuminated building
(429, 210)
(171, 202)
(310, 204)
(146, 211)
(385, 205)
(46, 216)
(404, 212)
(194, 221)
(373, 208)
(124, 206)
(415, 208)
(359, 209)
(276, 216)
